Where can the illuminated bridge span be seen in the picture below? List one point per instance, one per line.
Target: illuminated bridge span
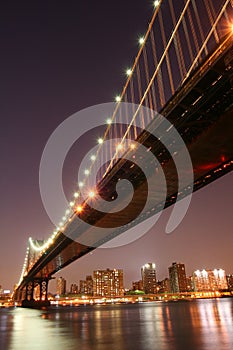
(184, 70)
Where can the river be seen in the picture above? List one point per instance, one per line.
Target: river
(181, 325)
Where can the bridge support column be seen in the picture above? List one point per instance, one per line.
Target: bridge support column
(29, 301)
(44, 289)
(30, 291)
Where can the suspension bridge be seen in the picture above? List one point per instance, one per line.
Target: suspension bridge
(183, 71)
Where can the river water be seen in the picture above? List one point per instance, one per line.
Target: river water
(199, 324)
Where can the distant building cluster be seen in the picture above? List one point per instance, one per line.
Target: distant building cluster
(110, 282)
(179, 282)
(104, 283)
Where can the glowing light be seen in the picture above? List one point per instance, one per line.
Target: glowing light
(109, 121)
(81, 184)
(100, 141)
(37, 248)
(119, 147)
(93, 157)
(129, 72)
(141, 40)
(76, 195)
(61, 224)
(71, 204)
(118, 98)
(79, 209)
(67, 211)
(132, 146)
(86, 172)
(91, 194)
(156, 3)
(64, 218)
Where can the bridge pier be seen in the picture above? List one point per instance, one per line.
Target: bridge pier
(29, 301)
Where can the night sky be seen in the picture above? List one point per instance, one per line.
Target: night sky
(57, 58)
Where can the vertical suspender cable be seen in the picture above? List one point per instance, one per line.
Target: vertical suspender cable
(167, 53)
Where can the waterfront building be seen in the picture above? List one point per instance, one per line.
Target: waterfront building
(73, 288)
(177, 276)
(83, 287)
(137, 285)
(86, 286)
(61, 286)
(209, 280)
(230, 282)
(164, 286)
(108, 283)
(89, 285)
(148, 272)
(190, 285)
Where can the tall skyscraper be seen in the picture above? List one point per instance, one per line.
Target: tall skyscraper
(61, 286)
(148, 272)
(209, 280)
(108, 283)
(177, 276)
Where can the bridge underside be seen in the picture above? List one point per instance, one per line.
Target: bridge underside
(202, 112)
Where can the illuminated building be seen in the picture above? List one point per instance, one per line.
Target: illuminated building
(61, 286)
(148, 272)
(164, 286)
(108, 283)
(73, 288)
(137, 285)
(177, 276)
(209, 280)
(190, 286)
(230, 282)
(86, 286)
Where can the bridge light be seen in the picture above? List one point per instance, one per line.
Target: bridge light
(129, 72)
(79, 209)
(156, 3)
(71, 204)
(141, 40)
(132, 146)
(118, 98)
(109, 121)
(81, 184)
(91, 194)
(64, 218)
(93, 157)
(86, 172)
(119, 146)
(76, 195)
(100, 141)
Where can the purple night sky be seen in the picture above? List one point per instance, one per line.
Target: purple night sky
(57, 58)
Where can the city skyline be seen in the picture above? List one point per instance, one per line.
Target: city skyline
(61, 86)
(110, 281)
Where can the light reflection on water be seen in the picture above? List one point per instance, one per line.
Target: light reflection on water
(201, 324)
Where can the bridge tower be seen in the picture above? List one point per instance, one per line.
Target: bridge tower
(34, 292)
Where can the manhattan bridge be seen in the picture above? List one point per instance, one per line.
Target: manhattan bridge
(184, 71)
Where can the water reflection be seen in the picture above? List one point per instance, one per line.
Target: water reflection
(201, 324)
